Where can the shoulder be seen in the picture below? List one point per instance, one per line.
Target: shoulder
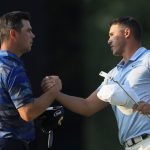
(11, 71)
(146, 60)
(146, 56)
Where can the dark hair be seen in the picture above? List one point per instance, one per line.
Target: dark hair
(12, 20)
(132, 23)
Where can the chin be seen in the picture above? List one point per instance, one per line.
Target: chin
(115, 53)
(28, 49)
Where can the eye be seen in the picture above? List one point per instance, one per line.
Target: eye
(111, 34)
(29, 30)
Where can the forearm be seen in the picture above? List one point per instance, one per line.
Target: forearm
(75, 104)
(85, 107)
(32, 110)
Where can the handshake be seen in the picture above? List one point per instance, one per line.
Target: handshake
(52, 84)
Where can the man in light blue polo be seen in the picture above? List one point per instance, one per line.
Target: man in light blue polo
(133, 71)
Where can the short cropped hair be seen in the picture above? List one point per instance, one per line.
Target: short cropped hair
(132, 23)
(12, 20)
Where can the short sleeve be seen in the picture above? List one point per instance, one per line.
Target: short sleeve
(148, 60)
(19, 87)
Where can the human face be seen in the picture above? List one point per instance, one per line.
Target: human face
(25, 38)
(117, 40)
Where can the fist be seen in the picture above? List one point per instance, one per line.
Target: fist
(50, 82)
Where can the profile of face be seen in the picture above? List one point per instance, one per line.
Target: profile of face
(117, 39)
(25, 37)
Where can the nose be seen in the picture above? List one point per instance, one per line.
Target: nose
(33, 35)
(109, 41)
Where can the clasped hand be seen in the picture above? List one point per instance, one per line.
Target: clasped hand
(51, 83)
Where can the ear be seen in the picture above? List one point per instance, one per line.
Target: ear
(127, 32)
(13, 34)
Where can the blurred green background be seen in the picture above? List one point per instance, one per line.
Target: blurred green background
(71, 41)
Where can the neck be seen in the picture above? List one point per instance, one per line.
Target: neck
(130, 50)
(9, 47)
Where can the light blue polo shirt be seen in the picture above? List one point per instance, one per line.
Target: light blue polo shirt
(136, 74)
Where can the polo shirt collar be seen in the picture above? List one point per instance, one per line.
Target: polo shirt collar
(5, 53)
(134, 57)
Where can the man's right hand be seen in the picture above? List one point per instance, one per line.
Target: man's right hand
(51, 83)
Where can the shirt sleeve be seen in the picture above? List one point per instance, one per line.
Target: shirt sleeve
(148, 62)
(19, 87)
(106, 81)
